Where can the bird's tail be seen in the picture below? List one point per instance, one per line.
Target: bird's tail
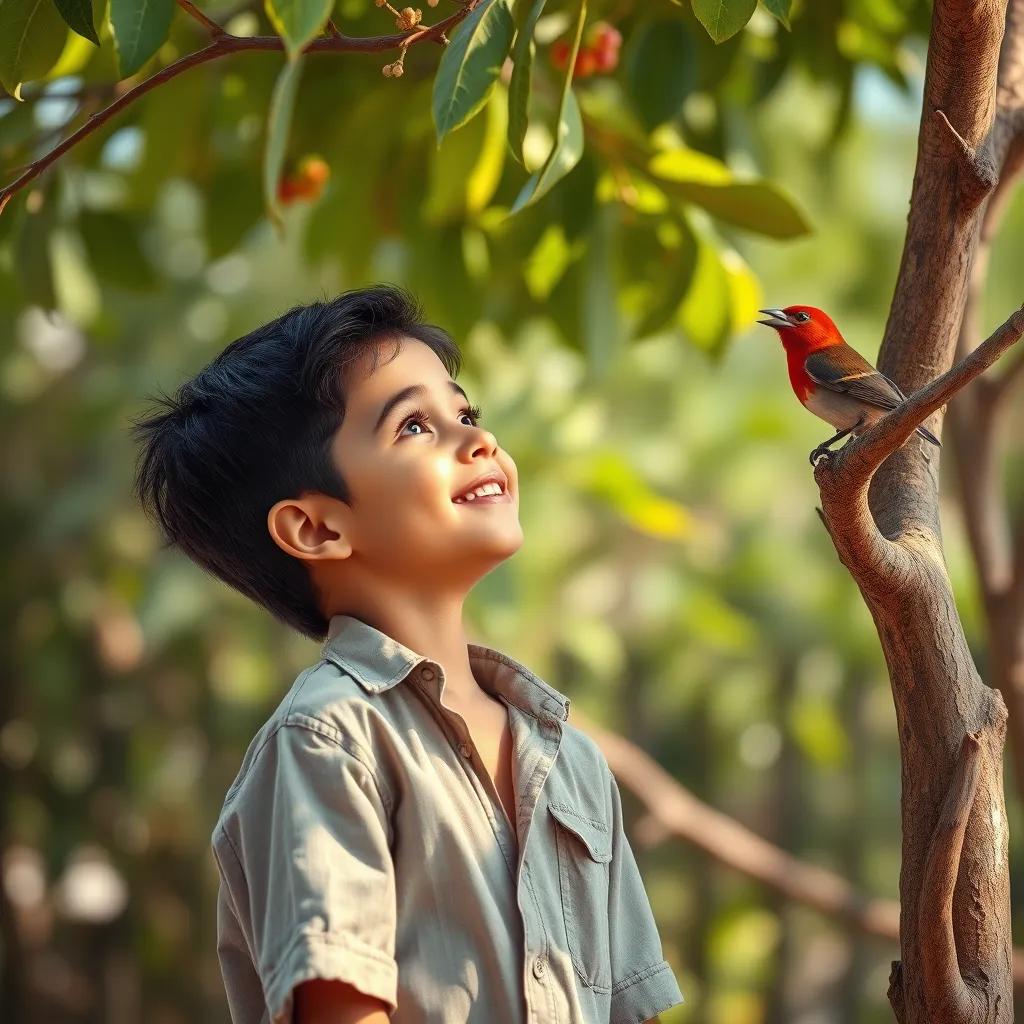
(928, 435)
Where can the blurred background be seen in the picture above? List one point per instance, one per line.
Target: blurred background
(675, 581)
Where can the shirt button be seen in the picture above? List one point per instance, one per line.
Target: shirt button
(464, 750)
(427, 673)
(538, 967)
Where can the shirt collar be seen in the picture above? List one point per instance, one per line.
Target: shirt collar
(377, 662)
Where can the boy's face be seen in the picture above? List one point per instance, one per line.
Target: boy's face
(403, 473)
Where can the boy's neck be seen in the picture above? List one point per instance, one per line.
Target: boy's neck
(441, 638)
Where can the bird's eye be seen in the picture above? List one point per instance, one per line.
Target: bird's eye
(803, 317)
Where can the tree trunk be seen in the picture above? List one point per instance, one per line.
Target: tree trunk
(880, 504)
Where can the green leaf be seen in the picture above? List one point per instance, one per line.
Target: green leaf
(600, 311)
(78, 16)
(779, 9)
(745, 296)
(670, 274)
(519, 84)
(756, 205)
(723, 18)
(32, 36)
(546, 264)
(173, 122)
(233, 204)
(568, 145)
(298, 22)
(33, 262)
(470, 64)
(282, 105)
(689, 165)
(661, 69)
(564, 155)
(140, 29)
(706, 311)
(465, 171)
(116, 256)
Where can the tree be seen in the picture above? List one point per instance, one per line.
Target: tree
(880, 505)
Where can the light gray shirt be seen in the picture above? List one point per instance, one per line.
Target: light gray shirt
(364, 840)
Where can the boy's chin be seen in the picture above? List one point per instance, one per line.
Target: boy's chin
(501, 545)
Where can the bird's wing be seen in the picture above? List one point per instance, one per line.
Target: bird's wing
(843, 369)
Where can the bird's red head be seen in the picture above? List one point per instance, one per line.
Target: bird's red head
(805, 327)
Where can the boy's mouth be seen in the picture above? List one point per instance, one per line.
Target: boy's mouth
(488, 494)
(484, 488)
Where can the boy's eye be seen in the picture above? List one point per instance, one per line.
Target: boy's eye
(420, 417)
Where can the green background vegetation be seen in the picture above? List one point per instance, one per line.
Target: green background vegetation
(675, 582)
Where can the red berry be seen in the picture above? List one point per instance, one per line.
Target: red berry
(287, 191)
(586, 64)
(560, 53)
(606, 59)
(606, 35)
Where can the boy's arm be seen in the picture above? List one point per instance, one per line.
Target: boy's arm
(314, 883)
(642, 980)
(325, 1001)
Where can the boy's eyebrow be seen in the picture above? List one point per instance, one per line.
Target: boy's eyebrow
(412, 391)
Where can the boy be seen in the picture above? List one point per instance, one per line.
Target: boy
(417, 832)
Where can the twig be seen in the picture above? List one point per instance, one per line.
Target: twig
(221, 46)
(859, 459)
(680, 813)
(207, 23)
(947, 996)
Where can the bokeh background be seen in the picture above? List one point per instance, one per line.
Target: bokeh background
(675, 582)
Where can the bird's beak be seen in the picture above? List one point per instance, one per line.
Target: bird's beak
(777, 318)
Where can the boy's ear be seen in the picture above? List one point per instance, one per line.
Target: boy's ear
(310, 527)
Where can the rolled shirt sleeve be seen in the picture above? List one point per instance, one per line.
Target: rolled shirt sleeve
(643, 984)
(307, 877)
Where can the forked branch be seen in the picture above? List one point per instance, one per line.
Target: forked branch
(948, 997)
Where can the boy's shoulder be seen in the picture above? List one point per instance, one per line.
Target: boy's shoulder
(582, 749)
(323, 698)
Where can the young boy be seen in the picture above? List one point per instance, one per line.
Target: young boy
(417, 832)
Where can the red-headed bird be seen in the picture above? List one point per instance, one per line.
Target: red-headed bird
(831, 379)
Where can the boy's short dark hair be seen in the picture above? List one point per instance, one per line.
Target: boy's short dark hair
(255, 426)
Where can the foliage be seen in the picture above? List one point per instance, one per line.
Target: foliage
(661, 137)
(675, 581)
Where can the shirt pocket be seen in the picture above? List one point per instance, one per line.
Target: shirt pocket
(584, 850)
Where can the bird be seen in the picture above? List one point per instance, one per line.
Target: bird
(832, 379)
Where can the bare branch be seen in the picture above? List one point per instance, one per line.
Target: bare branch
(679, 812)
(221, 46)
(208, 23)
(948, 998)
(671, 810)
(859, 459)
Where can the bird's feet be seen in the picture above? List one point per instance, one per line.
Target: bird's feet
(821, 452)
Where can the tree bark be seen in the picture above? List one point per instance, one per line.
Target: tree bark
(879, 501)
(976, 422)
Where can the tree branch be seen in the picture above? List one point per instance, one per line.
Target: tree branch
(672, 810)
(221, 46)
(208, 23)
(948, 997)
(678, 812)
(858, 460)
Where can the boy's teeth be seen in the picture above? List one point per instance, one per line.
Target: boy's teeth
(480, 492)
